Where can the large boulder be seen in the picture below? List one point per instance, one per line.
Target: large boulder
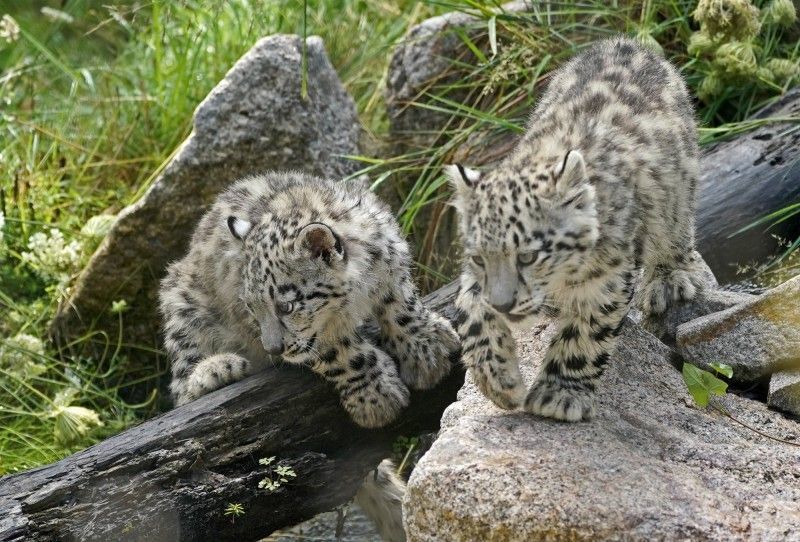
(255, 119)
(651, 466)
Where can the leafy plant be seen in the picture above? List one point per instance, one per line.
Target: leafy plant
(702, 385)
(276, 476)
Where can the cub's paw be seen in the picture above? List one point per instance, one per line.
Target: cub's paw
(378, 403)
(551, 400)
(503, 388)
(654, 295)
(211, 373)
(672, 286)
(426, 355)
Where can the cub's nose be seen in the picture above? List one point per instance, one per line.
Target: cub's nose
(273, 348)
(504, 308)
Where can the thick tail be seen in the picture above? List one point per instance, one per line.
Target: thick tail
(381, 498)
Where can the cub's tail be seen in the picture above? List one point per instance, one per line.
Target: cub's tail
(381, 498)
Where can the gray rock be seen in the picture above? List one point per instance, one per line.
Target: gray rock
(756, 338)
(426, 55)
(784, 390)
(651, 466)
(253, 120)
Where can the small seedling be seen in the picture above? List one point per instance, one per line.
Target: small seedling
(234, 510)
(702, 384)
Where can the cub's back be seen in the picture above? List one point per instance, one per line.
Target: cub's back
(619, 70)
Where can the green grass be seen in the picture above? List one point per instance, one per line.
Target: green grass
(92, 109)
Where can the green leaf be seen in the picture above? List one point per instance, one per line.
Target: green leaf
(702, 384)
(723, 368)
(493, 35)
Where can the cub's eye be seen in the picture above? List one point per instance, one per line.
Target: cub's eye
(284, 307)
(527, 258)
(478, 260)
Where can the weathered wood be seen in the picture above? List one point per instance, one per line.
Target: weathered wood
(171, 477)
(742, 180)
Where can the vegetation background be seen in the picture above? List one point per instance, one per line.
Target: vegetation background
(96, 95)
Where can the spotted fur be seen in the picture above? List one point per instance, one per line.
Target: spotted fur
(600, 190)
(292, 265)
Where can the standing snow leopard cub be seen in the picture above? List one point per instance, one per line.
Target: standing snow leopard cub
(601, 186)
(289, 264)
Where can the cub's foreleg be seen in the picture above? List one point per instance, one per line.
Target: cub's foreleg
(422, 342)
(578, 354)
(488, 349)
(208, 374)
(189, 332)
(366, 378)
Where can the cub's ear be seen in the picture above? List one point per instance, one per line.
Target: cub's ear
(320, 241)
(571, 172)
(463, 180)
(239, 228)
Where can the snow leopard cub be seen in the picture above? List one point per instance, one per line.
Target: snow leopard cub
(289, 264)
(600, 188)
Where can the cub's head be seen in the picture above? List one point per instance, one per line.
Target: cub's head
(294, 279)
(523, 227)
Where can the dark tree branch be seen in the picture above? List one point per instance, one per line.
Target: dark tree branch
(171, 477)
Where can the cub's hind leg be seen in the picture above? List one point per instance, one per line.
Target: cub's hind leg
(666, 282)
(672, 269)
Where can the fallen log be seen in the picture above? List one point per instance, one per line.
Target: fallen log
(744, 179)
(172, 477)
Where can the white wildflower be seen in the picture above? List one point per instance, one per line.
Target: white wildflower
(72, 422)
(64, 397)
(119, 306)
(9, 29)
(57, 15)
(21, 356)
(98, 226)
(51, 256)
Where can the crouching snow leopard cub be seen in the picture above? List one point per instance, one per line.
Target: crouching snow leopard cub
(288, 264)
(601, 187)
